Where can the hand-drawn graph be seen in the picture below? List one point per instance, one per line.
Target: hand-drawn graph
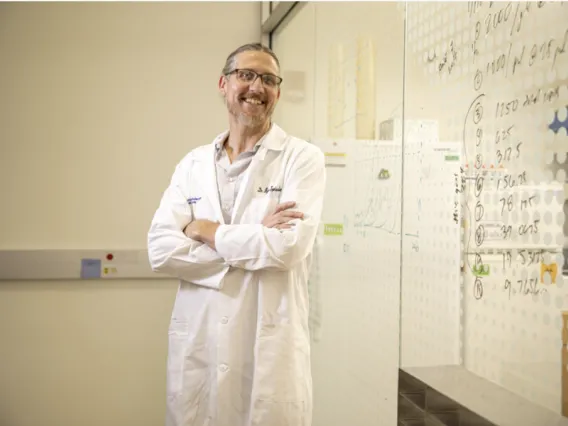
(377, 186)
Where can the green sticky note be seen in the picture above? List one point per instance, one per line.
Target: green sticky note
(333, 229)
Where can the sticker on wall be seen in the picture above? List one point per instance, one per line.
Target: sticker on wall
(480, 270)
(384, 174)
(90, 268)
(550, 269)
(452, 158)
(557, 124)
(335, 159)
(333, 229)
(109, 271)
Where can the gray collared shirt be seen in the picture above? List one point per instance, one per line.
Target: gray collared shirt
(230, 175)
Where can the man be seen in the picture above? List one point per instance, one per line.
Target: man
(237, 226)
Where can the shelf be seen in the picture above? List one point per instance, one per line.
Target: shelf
(486, 402)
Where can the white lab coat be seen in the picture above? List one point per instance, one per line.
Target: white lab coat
(239, 352)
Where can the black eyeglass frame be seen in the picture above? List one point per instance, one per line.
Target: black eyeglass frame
(257, 75)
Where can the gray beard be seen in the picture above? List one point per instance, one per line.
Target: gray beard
(245, 120)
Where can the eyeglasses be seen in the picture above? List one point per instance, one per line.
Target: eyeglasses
(250, 76)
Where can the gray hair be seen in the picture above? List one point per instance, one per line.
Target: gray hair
(255, 47)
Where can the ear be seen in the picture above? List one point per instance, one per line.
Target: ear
(222, 84)
(278, 94)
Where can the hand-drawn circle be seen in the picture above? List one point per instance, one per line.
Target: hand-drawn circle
(478, 289)
(477, 113)
(479, 235)
(477, 80)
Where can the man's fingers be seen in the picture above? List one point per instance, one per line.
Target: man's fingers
(282, 215)
(284, 206)
(292, 215)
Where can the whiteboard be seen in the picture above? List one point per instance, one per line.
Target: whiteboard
(493, 74)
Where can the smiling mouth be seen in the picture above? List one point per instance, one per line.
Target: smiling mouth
(252, 101)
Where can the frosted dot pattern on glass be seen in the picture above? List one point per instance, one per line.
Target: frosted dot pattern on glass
(374, 245)
(361, 272)
(431, 241)
(487, 290)
(355, 279)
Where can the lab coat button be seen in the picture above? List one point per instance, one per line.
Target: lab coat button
(224, 320)
(223, 368)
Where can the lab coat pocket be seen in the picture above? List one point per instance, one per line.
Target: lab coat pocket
(282, 362)
(186, 374)
(195, 373)
(274, 413)
(178, 338)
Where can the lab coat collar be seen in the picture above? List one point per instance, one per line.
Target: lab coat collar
(273, 139)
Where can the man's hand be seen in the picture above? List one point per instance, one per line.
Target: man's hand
(202, 230)
(281, 216)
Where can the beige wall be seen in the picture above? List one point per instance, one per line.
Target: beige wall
(98, 103)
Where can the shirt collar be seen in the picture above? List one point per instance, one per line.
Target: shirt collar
(222, 138)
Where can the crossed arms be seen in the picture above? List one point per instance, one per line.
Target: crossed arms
(202, 251)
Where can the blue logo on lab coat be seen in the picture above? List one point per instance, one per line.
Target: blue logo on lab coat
(193, 200)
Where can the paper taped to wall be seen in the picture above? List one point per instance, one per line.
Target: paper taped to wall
(90, 268)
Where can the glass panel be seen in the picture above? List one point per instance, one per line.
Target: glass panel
(294, 43)
(484, 229)
(482, 192)
(356, 102)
